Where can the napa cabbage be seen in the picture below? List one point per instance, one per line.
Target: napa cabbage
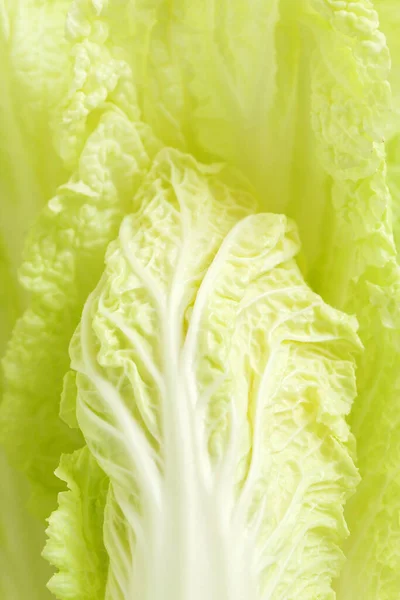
(199, 324)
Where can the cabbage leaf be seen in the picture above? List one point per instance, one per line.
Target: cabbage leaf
(212, 385)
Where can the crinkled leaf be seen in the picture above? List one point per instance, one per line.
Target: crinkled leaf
(75, 533)
(212, 388)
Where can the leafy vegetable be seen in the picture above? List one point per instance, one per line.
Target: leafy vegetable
(201, 409)
(373, 550)
(75, 543)
(212, 386)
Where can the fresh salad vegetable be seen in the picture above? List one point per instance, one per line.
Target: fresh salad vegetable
(199, 300)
